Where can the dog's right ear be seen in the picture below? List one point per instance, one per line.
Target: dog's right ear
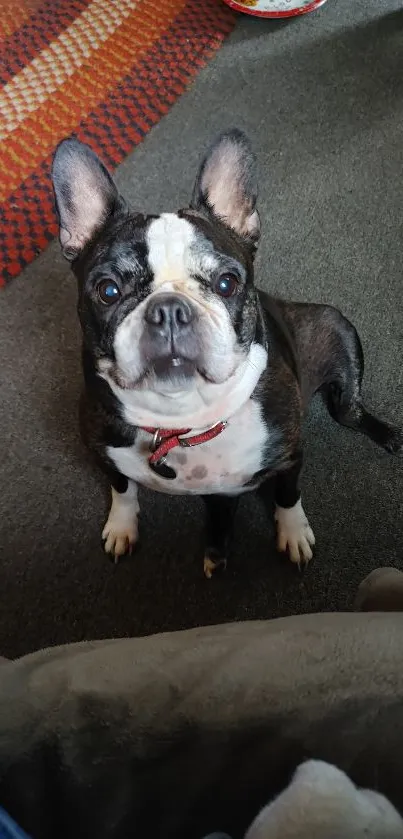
(85, 194)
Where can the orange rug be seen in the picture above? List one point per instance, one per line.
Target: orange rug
(105, 70)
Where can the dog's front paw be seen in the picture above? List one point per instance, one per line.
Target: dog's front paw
(120, 533)
(294, 534)
(120, 538)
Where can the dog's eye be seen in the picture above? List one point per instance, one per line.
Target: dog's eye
(108, 292)
(226, 285)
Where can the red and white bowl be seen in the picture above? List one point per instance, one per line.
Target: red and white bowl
(275, 8)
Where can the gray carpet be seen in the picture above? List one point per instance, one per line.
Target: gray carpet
(322, 98)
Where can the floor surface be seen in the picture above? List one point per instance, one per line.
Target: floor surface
(322, 99)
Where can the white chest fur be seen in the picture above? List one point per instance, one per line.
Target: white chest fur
(222, 465)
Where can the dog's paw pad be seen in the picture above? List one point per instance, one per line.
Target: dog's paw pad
(294, 534)
(120, 537)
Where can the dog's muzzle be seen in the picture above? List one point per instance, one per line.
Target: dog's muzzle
(169, 339)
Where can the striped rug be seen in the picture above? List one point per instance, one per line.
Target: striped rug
(105, 70)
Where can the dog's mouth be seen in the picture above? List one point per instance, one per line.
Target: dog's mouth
(176, 374)
(174, 367)
(173, 373)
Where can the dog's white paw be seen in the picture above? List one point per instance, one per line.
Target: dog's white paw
(120, 533)
(294, 534)
(120, 537)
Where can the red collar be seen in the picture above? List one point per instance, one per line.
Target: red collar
(164, 440)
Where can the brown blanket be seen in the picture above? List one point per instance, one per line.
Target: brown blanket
(177, 735)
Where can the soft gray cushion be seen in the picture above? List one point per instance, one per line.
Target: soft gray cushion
(178, 735)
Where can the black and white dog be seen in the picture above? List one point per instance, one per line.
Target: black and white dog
(196, 382)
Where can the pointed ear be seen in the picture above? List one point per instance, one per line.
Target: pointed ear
(85, 195)
(226, 185)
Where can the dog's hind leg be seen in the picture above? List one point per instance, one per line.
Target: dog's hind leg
(220, 520)
(342, 390)
(331, 361)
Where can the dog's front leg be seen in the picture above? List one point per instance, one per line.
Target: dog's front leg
(120, 533)
(221, 511)
(294, 534)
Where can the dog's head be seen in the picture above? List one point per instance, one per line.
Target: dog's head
(166, 302)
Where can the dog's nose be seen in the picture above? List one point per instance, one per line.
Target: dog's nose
(169, 313)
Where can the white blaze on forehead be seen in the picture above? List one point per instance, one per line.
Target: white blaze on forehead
(173, 254)
(169, 240)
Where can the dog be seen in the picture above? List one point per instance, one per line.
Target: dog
(196, 382)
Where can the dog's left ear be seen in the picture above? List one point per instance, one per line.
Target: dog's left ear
(226, 185)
